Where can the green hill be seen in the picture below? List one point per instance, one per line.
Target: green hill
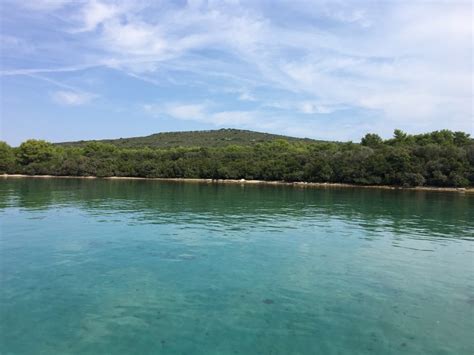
(213, 138)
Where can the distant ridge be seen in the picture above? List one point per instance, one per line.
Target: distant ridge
(211, 138)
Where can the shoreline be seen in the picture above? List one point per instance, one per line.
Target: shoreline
(252, 182)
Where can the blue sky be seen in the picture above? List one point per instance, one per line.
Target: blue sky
(85, 69)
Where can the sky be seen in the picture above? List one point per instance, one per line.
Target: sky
(90, 69)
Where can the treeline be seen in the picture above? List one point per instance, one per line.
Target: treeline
(441, 158)
(213, 138)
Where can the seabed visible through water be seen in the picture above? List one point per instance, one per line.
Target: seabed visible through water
(147, 267)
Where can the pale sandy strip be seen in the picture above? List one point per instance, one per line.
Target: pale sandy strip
(253, 182)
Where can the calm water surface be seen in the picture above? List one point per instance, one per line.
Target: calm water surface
(146, 267)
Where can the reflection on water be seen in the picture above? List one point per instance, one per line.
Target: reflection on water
(97, 266)
(425, 213)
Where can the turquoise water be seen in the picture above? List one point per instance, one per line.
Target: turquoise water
(146, 267)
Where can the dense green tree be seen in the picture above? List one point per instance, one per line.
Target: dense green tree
(461, 139)
(34, 151)
(399, 136)
(440, 158)
(372, 140)
(7, 158)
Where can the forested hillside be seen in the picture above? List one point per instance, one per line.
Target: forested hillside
(215, 138)
(441, 158)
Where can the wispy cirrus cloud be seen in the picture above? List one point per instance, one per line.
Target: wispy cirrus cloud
(71, 98)
(10, 72)
(68, 95)
(201, 113)
(44, 5)
(407, 63)
(94, 13)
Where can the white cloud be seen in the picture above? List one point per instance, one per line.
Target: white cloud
(410, 62)
(357, 16)
(94, 13)
(312, 108)
(133, 39)
(46, 70)
(201, 113)
(71, 98)
(246, 96)
(194, 112)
